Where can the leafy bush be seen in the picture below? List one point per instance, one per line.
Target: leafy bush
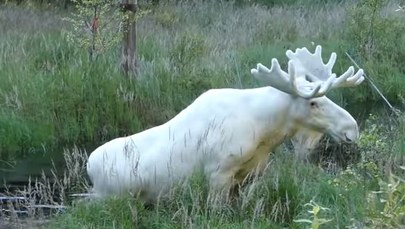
(376, 41)
(368, 29)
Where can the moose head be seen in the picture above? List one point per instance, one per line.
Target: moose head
(307, 82)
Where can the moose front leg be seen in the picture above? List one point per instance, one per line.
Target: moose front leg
(221, 184)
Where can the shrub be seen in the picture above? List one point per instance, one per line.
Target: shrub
(376, 41)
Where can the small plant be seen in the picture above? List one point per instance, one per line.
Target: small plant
(96, 26)
(316, 221)
(388, 203)
(347, 179)
(373, 139)
(374, 146)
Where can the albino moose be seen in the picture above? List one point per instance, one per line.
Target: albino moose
(228, 133)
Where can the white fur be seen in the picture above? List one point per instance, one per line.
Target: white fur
(225, 132)
(304, 142)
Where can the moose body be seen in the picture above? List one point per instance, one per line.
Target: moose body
(225, 133)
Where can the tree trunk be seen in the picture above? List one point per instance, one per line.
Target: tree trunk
(128, 53)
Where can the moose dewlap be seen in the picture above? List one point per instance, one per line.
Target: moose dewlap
(228, 133)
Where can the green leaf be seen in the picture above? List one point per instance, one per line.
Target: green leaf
(302, 221)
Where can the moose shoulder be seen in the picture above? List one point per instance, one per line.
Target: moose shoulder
(228, 133)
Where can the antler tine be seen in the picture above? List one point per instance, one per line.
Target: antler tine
(291, 82)
(312, 63)
(313, 67)
(328, 84)
(349, 79)
(318, 53)
(274, 76)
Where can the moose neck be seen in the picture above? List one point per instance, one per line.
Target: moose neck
(278, 112)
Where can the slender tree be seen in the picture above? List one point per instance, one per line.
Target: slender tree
(96, 26)
(128, 53)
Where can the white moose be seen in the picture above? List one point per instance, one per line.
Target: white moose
(228, 133)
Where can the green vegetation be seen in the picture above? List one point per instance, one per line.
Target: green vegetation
(53, 97)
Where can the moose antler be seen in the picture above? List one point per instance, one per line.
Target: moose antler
(291, 82)
(312, 66)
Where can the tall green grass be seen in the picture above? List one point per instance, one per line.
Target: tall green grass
(358, 197)
(369, 193)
